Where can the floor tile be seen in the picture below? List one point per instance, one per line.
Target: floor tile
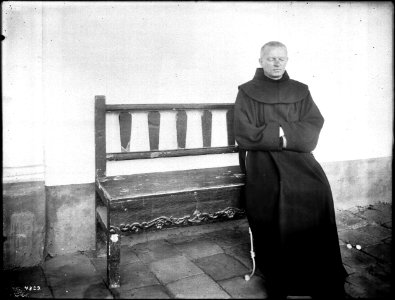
(25, 291)
(229, 237)
(13, 291)
(350, 270)
(239, 288)
(43, 293)
(199, 286)
(211, 264)
(199, 248)
(378, 214)
(147, 292)
(387, 225)
(387, 240)
(380, 251)
(384, 207)
(183, 239)
(381, 271)
(82, 291)
(354, 291)
(155, 250)
(363, 285)
(100, 265)
(356, 259)
(66, 259)
(31, 277)
(175, 268)
(347, 220)
(25, 282)
(127, 255)
(376, 231)
(136, 275)
(364, 236)
(221, 266)
(97, 291)
(241, 253)
(70, 270)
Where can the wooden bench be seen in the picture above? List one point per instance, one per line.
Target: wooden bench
(131, 203)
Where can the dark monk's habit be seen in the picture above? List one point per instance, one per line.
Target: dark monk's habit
(288, 197)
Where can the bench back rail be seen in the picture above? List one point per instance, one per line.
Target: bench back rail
(144, 131)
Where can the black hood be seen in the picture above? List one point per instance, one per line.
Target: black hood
(284, 90)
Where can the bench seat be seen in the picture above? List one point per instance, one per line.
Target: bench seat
(167, 199)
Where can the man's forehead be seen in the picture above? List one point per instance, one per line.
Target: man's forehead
(272, 50)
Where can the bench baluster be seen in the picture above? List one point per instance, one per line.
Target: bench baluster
(194, 138)
(113, 133)
(125, 126)
(168, 130)
(139, 140)
(219, 131)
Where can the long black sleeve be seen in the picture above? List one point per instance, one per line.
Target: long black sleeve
(302, 135)
(248, 134)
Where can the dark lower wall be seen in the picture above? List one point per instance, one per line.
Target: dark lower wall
(39, 220)
(70, 218)
(360, 182)
(23, 224)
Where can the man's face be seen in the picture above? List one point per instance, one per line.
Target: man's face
(273, 61)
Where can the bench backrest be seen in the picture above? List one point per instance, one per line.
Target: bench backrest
(144, 131)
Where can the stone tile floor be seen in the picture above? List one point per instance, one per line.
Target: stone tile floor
(209, 264)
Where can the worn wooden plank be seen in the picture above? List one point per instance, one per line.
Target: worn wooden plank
(163, 222)
(125, 124)
(154, 127)
(172, 106)
(100, 136)
(207, 128)
(230, 126)
(163, 183)
(170, 153)
(181, 128)
(175, 205)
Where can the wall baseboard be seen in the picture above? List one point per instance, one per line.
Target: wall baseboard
(23, 174)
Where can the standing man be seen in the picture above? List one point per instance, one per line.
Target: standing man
(288, 197)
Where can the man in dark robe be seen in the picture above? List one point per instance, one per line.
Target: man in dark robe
(289, 201)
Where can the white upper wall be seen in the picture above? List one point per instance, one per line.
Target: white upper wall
(59, 55)
(23, 111)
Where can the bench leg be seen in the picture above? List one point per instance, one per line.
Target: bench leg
(101, 241)
(101, 228)
(114, 259)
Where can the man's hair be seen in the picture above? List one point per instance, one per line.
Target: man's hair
(272, 44)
